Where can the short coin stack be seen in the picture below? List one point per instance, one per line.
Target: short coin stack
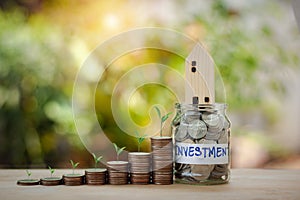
(140, 163)
(28, 182)
(117, 172)
(73, 179)
(162, 160)
(50, 181)
(95, 176)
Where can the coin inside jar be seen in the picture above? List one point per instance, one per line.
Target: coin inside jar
(201, 172)
(181, 132)
(224, 122)
(223, 137)
(211, 119)
(197, 129)
(191, 115)
(212, 136)
(202, 144)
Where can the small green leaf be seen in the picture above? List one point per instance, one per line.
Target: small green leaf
(140, 140)
(28, 172)
(158, 111)
(72, 163)
(76, 164)
(99, 158)
(165, 117)
(120, 150)
(94, 156)
(116, 147)
(51, 170)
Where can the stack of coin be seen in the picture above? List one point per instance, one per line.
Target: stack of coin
(28, 182)
(117, 172)
(73, 179)
(140, 163)
(95, 176)
(50, 181)
(162, 160)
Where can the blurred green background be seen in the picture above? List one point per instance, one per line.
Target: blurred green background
(43, 44)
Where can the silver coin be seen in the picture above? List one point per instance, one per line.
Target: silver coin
(186, 172)
(221, 168)
(211, 119)
(223, 137)
(220, 171)
(225, 122)
(181, 132)
(197, 129)
(201, 172)
(179, 166)
(201, 141)
(214, 122)
(205, 141)
(189, 141)
(212, 136)
(190, 116)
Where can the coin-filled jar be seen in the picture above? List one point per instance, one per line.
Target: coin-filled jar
(202, 144)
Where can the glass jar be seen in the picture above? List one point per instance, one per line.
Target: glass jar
(202, 144)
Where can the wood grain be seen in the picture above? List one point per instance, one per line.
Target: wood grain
(200, 78)
(244, 184)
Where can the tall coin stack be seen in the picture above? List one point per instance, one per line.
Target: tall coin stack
(140, 163)
(117, 172)
(162, 160)
(95, 176)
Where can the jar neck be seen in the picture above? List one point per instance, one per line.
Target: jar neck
(216, 107)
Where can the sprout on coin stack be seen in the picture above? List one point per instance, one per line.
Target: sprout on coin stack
(28, 181)
(117, 170)
(140, 140)
(162, 119)
(96, 176)
(140, 163)
(51, 181)
(162, 155)
(74, 178)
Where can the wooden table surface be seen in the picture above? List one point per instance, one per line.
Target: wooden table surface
(244, 184)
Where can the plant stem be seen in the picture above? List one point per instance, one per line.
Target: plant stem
(161, 128)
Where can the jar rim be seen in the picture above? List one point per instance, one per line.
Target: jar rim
(208, 105)
(202, 106)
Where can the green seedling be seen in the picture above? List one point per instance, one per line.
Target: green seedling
(74, 165)
(51, 170)
(28, 173)
(118, 150)
(140, 139)
(162, 118)
(96, 159)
